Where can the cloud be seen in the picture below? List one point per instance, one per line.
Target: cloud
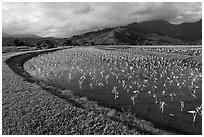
(156, 11)
(66, 19)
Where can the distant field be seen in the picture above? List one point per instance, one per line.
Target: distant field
(193, 50)
(163, 88)
(189, 53)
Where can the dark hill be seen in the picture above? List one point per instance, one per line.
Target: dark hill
(184, 31)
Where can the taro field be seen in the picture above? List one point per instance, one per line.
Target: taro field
(192, 51)
(166, 91)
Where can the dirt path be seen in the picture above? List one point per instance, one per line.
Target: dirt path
(28, 108)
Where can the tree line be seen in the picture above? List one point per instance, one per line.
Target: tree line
(39, 43)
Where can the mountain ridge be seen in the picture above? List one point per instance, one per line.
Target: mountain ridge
(148, 32)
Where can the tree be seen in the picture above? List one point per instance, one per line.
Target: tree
(18, 42)
(45, 44)
(92, 43)
(67, 42)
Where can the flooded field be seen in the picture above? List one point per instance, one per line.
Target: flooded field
(162, 89)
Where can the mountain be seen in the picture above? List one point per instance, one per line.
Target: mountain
(184, 31)
(20, 35)
(145, 33)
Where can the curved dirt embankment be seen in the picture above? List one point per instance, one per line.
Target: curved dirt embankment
(28, 108)
(16, 62)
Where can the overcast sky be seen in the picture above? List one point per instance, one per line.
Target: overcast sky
(67, 19)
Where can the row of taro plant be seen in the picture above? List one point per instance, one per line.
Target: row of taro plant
(192, 51)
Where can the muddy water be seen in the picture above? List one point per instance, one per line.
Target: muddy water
(147, 105)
